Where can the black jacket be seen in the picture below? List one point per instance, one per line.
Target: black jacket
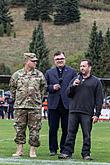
(86, 98)
(52, 78)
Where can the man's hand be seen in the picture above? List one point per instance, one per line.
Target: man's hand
(76, 82)
(95, 119)
(56, 87)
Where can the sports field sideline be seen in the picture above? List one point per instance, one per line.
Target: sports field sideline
(100, 151)
(19, 161)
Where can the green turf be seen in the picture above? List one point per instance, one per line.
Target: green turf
(100, 150)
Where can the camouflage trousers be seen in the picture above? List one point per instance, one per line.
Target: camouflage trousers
(30, 118)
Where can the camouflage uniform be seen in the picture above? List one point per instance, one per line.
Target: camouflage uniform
(27, 89)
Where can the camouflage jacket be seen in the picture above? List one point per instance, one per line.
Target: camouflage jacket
(27, 88)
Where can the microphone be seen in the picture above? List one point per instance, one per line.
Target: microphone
(76, 82)
(80, 78)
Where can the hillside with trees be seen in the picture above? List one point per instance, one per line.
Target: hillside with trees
(5, 19)
(96, 4)
(71, 38)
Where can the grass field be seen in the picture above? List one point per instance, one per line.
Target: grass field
(100, 146)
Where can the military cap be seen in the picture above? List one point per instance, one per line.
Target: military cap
(31, 56)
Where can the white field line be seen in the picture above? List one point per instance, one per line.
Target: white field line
(19, 161)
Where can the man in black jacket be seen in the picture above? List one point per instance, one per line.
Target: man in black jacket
(86, 99)
(58, 79)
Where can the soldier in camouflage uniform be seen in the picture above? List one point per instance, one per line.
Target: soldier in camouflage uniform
(27, 86)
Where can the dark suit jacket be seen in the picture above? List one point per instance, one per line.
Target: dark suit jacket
(52, 78)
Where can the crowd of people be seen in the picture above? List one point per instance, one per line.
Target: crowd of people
(6, 106)
(72, 98)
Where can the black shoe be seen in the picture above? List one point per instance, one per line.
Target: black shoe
(53, 153)
(64, 156)
(87, 158)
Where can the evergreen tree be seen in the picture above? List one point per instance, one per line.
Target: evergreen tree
(5, 17)
(32, 43)
(8, 30)
(32, 12)
(1, 30)
(106, 1)
(94, 49)
(4, 70)
(45, 8)
(18, 2)
(38, 47)
(105, 57)
(38, 10)
(67, 11)
(108, 36)
(14, 34)
(100, 39)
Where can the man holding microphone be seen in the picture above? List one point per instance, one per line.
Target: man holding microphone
(86, 99)
(58, 79)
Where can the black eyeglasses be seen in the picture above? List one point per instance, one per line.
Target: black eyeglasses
(57, 59)
(33, 60)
